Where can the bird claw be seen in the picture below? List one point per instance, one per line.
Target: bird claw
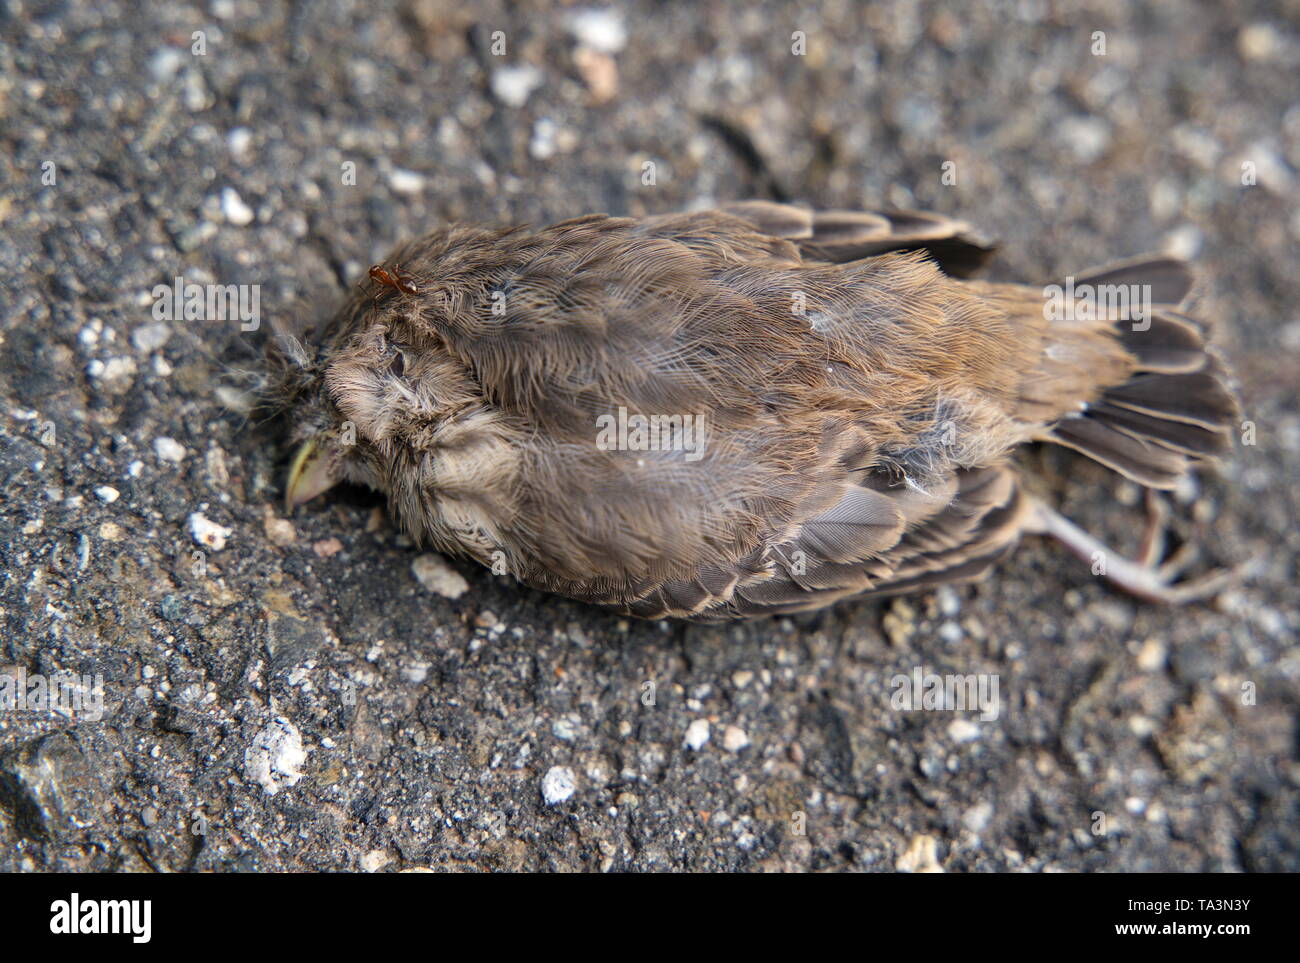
(1146, 576)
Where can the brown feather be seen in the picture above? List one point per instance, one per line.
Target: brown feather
(856, 402)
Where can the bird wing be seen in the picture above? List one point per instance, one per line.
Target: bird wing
(841, 236)
(906, 540)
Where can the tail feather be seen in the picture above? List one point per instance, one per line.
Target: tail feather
(1175, 409)
(1170, 279)
(1173, 344)
(1199, 398)
(1194, 440)
(1142, 460)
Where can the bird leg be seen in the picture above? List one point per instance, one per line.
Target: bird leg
(1146, 577)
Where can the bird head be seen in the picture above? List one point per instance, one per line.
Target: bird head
(379, 400)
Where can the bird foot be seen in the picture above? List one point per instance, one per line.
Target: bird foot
(1147, 576)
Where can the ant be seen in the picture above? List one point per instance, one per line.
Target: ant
(392, 279)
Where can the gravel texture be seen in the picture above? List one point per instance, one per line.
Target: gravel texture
(303, 693)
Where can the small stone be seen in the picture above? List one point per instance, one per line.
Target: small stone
(149, 816)
(1151, 657)
(374, 861)
(899, 623)
(1141, 726)
(565, 728)
(279, 530)
(976, 819)
(1259, 42)
(327, 547)
(110, 532)
(405, 182)
(949, 601)
(963, 730)
(487, 619)
(164, 64)
(150, 337)
(922, 856)
(107, 494)
(169, 449)
(416, 674)
(599, 72)
(1088, 137)
(515, 84)
(542, 145)
(240, 142)
(171, 609)
(1184, 242)
(697, 735)
(114, 371)
(275, 759)
(438, 577)
(1187, 491)
(234, 209)
(558, 784)
(208, 533)
(601, 30)
(734, 739)
(742, 678)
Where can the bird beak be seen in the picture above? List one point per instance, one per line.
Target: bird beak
(309, 475)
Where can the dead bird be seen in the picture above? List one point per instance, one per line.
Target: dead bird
(752, 410)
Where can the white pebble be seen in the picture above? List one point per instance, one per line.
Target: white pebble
(514, 85)
(107, 494)
(374, 861)
(208, 533)
(239, 141)
(274, 760)
(405, 182)
(114, 369)
(949, 601)
(734, 739)
(565, 728)
(599, 30)
(438, 577)
(151, 337)
(1184, 242)
(1259, 41)
(234, 209)
(542, 144)
(1087, 137)
(963, 730)
(976, 819)
(558, 785)
(697, 735)
(1152, 656)
(164, 64)
(169, 449)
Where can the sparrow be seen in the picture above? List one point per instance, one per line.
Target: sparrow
(752, 410)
